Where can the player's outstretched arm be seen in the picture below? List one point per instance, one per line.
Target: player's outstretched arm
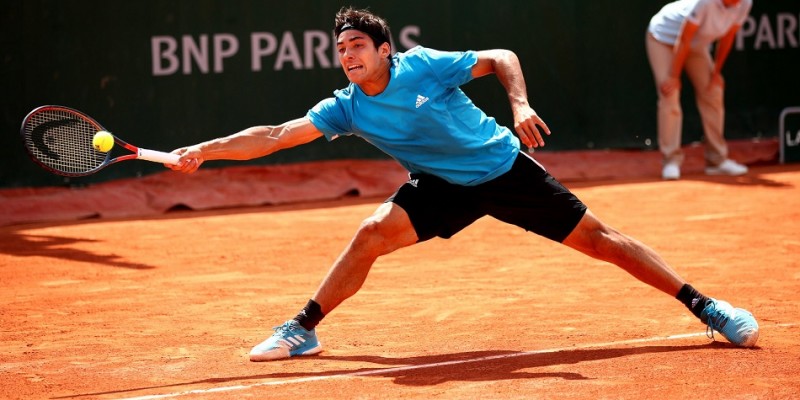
(254, 142)
(505, 64)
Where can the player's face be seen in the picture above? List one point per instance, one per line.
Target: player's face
(361, 61)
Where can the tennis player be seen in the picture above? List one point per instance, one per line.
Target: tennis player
(462, 166)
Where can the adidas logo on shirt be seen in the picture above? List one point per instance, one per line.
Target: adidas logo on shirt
(421, 100)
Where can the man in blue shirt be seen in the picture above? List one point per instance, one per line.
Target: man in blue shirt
(433, 127)
(462, 166)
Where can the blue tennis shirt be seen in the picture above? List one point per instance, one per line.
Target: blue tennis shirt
(423, 119)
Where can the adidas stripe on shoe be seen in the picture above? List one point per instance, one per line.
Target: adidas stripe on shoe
(289, 340)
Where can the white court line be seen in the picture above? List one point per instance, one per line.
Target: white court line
(380, 371)
(710, 217)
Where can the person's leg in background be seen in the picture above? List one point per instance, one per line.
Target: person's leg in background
(670, 114)
(711, 105)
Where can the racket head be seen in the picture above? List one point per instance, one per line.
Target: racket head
(59, 139)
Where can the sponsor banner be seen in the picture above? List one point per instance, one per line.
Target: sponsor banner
(171, 73)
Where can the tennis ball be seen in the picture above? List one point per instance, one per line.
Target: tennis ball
(103, 141)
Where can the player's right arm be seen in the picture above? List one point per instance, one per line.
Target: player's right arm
(254, 142)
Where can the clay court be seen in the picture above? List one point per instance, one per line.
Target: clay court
(168, 306)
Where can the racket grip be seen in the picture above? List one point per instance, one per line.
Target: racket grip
(157, 156)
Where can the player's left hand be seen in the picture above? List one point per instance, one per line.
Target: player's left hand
(529, 127)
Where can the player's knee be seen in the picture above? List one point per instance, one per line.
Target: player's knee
(600, 241)
(369, 227)
(371, 234)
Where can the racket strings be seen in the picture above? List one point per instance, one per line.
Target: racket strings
(62, 141)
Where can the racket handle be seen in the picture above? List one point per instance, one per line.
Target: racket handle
(157, 156)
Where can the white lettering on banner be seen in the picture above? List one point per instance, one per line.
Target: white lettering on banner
(406, 36)
(225, 46)
(790, 142)
(167, 54)
(315, 50)
(288, 52)
(257, 51)
(764, 32)
(196, 52)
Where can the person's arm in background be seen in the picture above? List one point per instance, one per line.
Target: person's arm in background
(680, 51)
(724, 46)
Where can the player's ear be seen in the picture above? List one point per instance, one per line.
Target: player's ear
(384, 49)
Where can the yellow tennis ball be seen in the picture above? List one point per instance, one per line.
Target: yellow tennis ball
(103, 141)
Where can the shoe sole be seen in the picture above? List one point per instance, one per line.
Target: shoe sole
(723, 173)
(282, 353)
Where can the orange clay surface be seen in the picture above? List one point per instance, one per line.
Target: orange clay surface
(169, 306)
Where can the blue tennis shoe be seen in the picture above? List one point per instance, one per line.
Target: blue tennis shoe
(735, 324)
(289, 340)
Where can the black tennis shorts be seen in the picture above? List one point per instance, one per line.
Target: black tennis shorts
(526, 196)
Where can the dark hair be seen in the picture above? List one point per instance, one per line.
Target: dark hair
(362, 20)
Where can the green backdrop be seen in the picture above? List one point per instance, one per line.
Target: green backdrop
(163, 74)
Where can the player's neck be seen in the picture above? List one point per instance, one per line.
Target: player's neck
(378, 84)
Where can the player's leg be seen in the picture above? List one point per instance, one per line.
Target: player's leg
(386, 230)
(670, 114)
(423, 208)
(528, 197)
(598, 240)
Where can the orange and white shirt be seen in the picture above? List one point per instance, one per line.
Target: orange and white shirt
(713, 17)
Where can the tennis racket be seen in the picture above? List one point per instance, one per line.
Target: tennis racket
(59, 139)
